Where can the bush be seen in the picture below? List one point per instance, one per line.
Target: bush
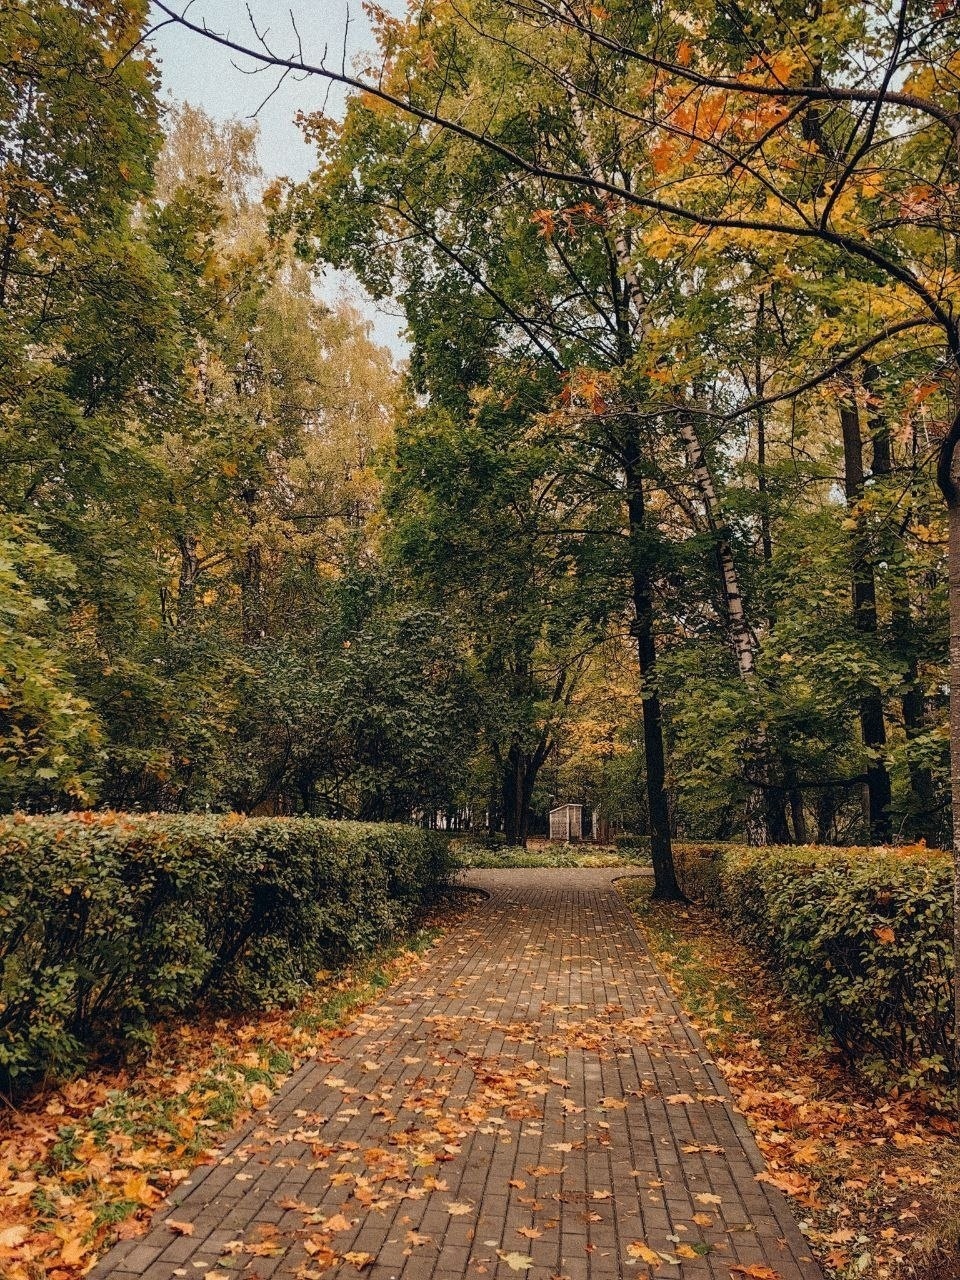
(110, 921)
(862, 937)
(632, 844)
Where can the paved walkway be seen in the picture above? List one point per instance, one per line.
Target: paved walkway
(532, 1103)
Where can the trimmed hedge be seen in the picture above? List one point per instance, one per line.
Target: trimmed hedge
(861, 937)
(111, 921)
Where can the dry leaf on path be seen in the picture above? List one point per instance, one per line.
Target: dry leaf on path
(515, 1261)
(638, 1249)
(359, 1259)
(338, 1222)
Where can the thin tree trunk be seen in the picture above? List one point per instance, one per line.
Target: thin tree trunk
(187, 583)
(954, 595)
(766, 540)
(797, 812)
(863, 587)
(665, 884)
(741, 637)
(766, 819)
(923, 806)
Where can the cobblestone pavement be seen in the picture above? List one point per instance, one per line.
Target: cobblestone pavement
(532, 1102)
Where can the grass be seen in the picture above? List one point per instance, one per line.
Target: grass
(544, 854)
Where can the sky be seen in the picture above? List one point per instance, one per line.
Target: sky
(196, 70)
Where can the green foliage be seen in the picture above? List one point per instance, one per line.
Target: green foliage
(474, 854)
(109, 922)
(634, 845)
(47, 733)
(862, 937)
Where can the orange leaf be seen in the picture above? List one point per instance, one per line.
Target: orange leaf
(637, 1249)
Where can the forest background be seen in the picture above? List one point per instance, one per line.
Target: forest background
(651, 518)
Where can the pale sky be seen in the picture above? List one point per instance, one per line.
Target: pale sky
(195, 70)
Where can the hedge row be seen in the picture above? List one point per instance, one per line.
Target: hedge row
(109, 921)
(862, 937)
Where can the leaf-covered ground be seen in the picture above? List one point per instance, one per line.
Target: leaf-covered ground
(875, 1180)
(84, 1164)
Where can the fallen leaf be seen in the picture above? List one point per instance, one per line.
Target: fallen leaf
(638, 1249)
(515, 1261)
(359, 1259)
(457, 1208)
(337, 1222)
(181, 1228)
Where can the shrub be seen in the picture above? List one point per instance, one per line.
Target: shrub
(110, 921)
(632, 844)
(862, 937)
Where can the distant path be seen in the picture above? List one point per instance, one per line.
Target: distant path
(531, 1103)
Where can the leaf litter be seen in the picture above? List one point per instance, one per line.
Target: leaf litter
(868, 1174)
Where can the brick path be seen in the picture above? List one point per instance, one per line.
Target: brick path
(533, 1096)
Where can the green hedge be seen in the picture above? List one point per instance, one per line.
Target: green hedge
(862, 937)
(632, 844)
(110, 921)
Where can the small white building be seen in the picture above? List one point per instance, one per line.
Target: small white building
(566, 823)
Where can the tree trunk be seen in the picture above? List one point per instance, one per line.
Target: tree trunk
(187, 582)
(954, 592)
(864, 594)
(766, 819)
(766, 540)
(948, 477)
(741, 637)
(923, 806)
(665, 884)
(631, 325)
(795, 797)
(519, 778)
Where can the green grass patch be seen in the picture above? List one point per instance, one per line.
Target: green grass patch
(475, 857)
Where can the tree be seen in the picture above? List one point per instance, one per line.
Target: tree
(780, 130)
(487, 511)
